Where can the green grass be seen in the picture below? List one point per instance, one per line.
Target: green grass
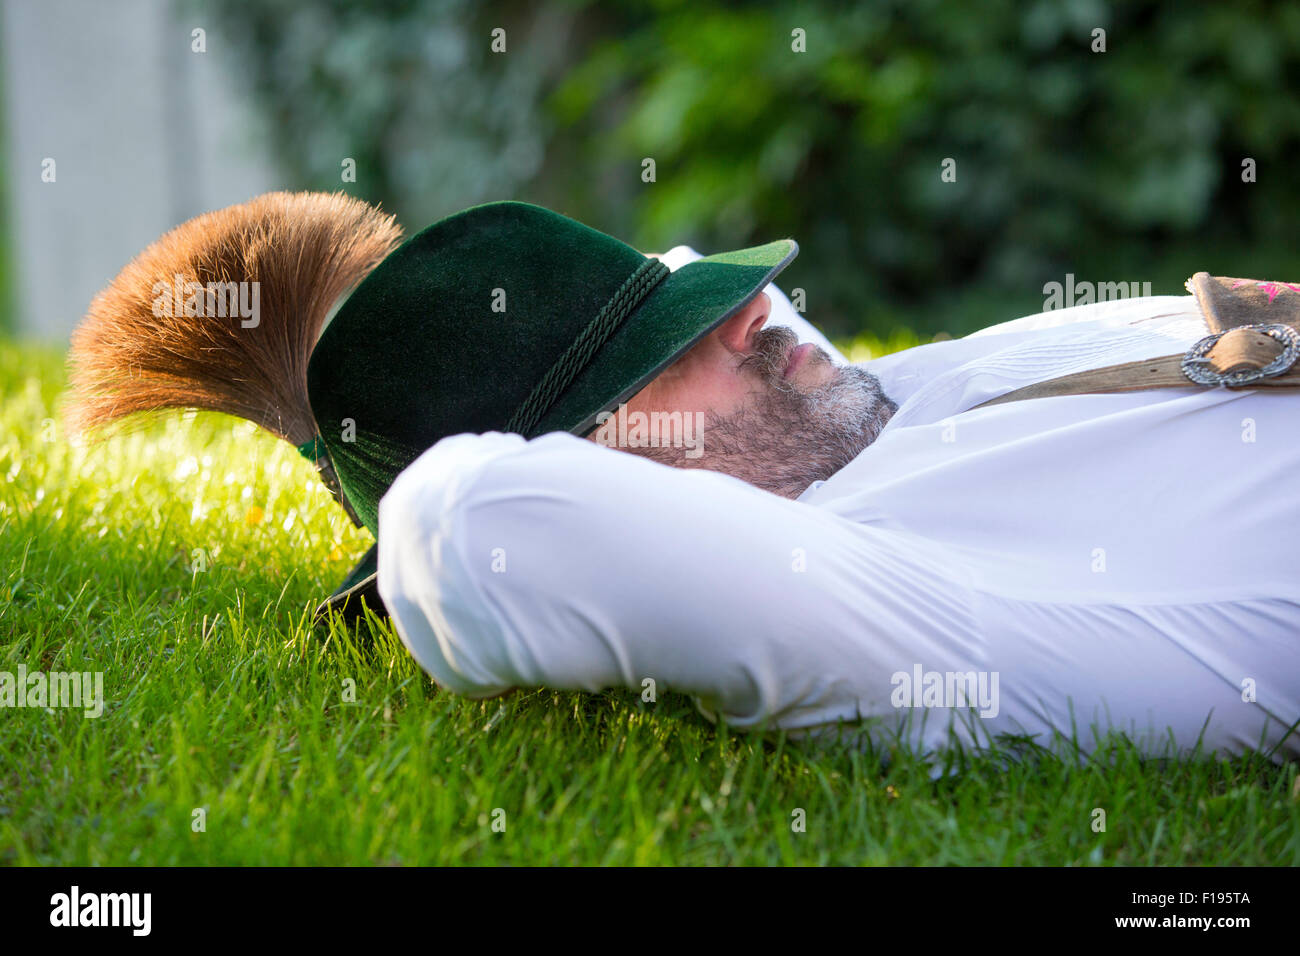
(221, 697)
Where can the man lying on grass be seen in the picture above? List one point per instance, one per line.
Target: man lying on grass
(597, 470)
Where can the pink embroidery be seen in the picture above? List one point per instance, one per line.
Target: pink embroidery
(1274, 289)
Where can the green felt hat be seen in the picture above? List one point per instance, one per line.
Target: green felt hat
(504, 317)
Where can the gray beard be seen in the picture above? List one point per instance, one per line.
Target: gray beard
(787, 439)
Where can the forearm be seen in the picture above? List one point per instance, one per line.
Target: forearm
(560, 563)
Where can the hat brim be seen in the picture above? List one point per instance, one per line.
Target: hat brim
(688, 305)
(359, 590)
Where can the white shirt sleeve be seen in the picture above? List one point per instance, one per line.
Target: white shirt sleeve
(561, 563)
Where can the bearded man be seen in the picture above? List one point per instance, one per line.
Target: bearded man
(1055, 526)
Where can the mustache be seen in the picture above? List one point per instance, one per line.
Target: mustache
(772, 348)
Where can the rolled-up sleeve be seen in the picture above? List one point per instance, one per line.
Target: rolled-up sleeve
(564, 564)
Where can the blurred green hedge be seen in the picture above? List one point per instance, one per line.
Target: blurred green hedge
(1123, 165)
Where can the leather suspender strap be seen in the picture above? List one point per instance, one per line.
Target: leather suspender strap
(1254, 343)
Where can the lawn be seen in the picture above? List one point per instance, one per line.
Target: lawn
(180, 561)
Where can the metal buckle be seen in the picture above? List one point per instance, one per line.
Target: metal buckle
(1195, 359)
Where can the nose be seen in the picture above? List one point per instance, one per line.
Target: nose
(738, 332)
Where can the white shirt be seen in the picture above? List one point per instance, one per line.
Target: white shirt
(1088, 563)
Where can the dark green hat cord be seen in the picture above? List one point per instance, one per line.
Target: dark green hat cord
(575, 358)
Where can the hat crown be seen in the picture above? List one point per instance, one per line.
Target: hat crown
(452, 332)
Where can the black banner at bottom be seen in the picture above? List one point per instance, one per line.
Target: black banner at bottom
(333, 906)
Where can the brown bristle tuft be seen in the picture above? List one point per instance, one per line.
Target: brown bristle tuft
(138, 351)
